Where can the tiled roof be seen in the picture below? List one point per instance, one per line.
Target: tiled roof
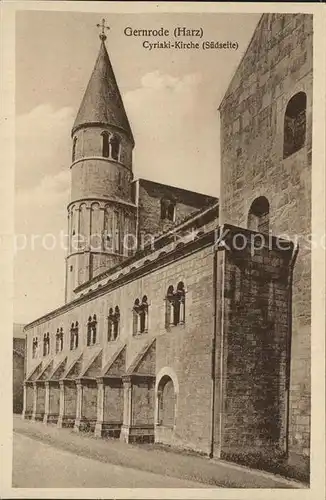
(102, 102)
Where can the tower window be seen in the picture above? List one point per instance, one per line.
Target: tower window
(175, 305)
(74, 146)
(295, 124)
(115, 147)
(91, 330)
(105, 144)
(71, 268)
(140, 316)
(74, 334)
(167, 209)
(258, 216)
(113, 323)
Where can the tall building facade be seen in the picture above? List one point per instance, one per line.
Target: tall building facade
(198, 337)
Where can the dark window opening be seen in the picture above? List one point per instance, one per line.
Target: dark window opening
(91, 330)
(175, 305)
(74, 333)
(105, 144)
(140, 316)
(167, 209)
(115, 147)
(74, 146)
(258, 216)
(46, 344)
(59, 340)
(35, 347)
(113, 323)
(295, 124)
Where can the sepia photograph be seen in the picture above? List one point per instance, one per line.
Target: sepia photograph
(163, 239)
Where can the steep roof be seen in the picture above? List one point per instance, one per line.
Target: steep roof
(102, 103)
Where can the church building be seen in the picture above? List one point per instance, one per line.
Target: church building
(186, 318)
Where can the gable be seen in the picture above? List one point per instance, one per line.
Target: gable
(75, 369)
(94, 367)
(34, 373)
(59, 370)
(47, 371)
(116, 367)
(274, 40)
(145, 361)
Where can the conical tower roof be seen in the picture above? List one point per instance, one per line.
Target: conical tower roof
(102, 103)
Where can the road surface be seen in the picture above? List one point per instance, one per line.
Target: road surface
(39, 465)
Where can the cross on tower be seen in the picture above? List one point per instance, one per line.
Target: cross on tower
(103, 27)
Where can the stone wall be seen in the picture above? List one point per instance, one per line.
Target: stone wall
(29, 398)
(184, 348)
(277, 65)
(89, 405)
(149, 206)
(18, 381)
(113, 402)
(54, 399)
(89, 144)
(70, 399)
(143, 403)
(254, 339)
(40, 406)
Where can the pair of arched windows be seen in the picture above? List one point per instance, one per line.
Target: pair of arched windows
(140, 316)
(167, 209)
(35, 347)
(46, 344)
(111, 146)
(113, 323)
(91, 330)
(175, 305)
(59, 340)
(295, 124)
(74, 336)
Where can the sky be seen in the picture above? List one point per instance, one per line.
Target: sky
(171, 99)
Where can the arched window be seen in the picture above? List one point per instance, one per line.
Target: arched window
(295, 124)
(35, 347)
(258, 216)
(140, 316)
(175, 301)
(46, 344)
(105, 144)
(113, 323)
(74, 333)
(59, 340)
(115, 147)
(166, 402)
(167, 209)
(91, 330)
(74, 146)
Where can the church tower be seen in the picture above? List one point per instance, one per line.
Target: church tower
(101, 213)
